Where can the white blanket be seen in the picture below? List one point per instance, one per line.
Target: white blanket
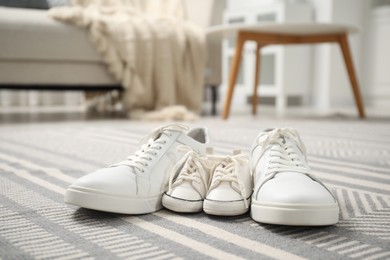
(148, 46)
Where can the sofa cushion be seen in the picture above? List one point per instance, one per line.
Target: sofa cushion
(53, 73)
(30, 34)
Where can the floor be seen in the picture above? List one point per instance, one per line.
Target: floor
(12, 116)
(39, 160)
(58, 116)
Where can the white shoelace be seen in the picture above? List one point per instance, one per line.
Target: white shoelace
(193, 169)
(226, 171)
(283, 155)
(151, 143)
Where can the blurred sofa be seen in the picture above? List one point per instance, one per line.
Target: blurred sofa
(38, 52)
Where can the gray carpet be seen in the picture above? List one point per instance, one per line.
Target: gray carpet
(38, 161)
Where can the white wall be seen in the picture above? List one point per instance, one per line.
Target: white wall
(347, 12)
(330, 83)
(377, 58)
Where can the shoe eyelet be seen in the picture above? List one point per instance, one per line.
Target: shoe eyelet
(159, 147)
(146, 165)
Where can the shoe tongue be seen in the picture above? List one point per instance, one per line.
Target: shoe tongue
(158, 136)
(187, 162)
(263, 136)
(289, 140)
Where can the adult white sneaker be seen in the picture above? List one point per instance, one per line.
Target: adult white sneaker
(136, 185)
(188, 183)
(231, 187)
(285, 192)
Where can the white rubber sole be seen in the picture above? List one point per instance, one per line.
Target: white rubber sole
(94, 199)
(225, 208)
(181, 205)
(295, 214)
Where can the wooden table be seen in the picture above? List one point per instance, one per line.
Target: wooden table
(284, 33)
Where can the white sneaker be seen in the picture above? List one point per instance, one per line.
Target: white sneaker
(231, 187)
(285, 192)
(188, 183)
(136, 185)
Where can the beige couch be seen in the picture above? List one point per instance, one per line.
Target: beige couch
(37, 51)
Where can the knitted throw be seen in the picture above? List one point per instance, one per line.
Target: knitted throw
(148, 46)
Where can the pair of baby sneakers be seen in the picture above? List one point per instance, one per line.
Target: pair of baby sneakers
(218, 185)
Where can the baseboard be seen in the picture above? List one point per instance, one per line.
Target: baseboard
(291, 100)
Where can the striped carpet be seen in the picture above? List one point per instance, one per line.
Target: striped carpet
(38, 161)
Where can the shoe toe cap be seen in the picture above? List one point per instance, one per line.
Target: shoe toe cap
(224, 192)
(112, 180)
(185, 191)
(294, 188)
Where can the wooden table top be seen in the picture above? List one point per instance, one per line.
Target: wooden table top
(297, 29)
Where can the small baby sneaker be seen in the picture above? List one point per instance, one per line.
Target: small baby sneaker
(231, 186)
(189, 182)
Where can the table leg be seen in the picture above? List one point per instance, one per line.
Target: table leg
(257, 78)
(343, 41)
(233, 75)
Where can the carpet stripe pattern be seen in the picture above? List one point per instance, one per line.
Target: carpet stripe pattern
(38, 162)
